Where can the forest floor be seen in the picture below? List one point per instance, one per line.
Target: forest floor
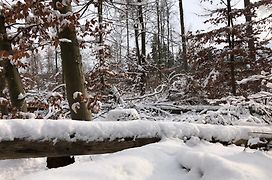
(171, 158)
(168, 159)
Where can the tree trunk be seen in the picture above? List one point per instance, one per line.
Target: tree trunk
(136, 32)
(249, 31)
(101, 52)
(12, 75)
(127, 28)
(3, 107)
(231, 47)
(159, 33)
(143, 50)
(74, 80)
(183, 37)
(72, 70)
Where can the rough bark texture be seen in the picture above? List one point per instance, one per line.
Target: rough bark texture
(22, 148)
(11, 73)
(182, 30)
(3, 107)
(249, 31)
(72, 70)
(74, 80)
(143, 50)
(231, 47)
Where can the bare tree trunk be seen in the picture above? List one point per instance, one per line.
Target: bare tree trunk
(143, 50)
(3, 107)
(169, 60)
(72, 70)
(159, 33)
(12, 75)
(74, 80)
(127, 27)
(143, 33)
(249, 31)
(231, 47)
(183, 36)
(136, 32)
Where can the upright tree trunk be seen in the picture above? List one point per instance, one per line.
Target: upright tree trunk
(169, 60)
(136, 32)
(101, 41)
(72, 70)
(143, 33)
(159, 33)
(249, 31)
(12, 75)
(74, 80)
(231, 47)
(127, 28)
(143, 50)
(183, 37)
(3, 108)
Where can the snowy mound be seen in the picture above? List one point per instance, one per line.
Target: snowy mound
(170, 159)
(121, 114)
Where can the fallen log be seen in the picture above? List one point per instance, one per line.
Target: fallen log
(178, 109)
(22, 148)
(51, 138)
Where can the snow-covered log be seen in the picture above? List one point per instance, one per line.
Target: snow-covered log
(50, 138)
(178, 109)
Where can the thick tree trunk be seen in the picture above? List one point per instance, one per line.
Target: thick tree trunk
(74, 80)
(249, 32)
(3, 107)
(72, 70)
(183, 37)
(12, 75)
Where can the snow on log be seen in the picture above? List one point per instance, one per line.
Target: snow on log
(177, 109)
(40, 138)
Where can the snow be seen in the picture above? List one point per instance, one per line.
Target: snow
(77, 94)
(21, 96)
(34, 129)
(251, 78)
(269, 85)
(170, 159)
(75, 106)
(65, 40)
(3, 100)
(120, 114)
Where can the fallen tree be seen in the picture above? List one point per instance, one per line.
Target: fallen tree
(50, 138)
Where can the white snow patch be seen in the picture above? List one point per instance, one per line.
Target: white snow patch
(65, 40)
(120, 114)
(251, 78)
(75, 106)
(169, 159)
(34, 129)
(21, 96)
(77, 94)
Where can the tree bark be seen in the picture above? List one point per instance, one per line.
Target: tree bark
(12, 75)
(249, 31)
(127, 27)
(72, 69)
(231, 47)
(183, 37)
(74, 80)
(143, 50)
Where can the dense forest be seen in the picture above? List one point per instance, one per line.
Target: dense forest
(114, 60)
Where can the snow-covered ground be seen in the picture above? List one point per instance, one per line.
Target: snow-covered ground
(169, 159)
